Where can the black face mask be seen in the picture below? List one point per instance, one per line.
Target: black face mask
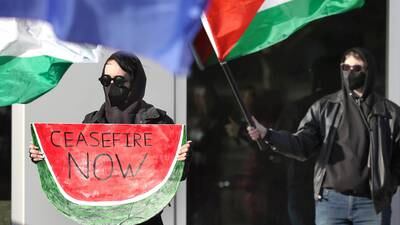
(117, 95)
(354, 80)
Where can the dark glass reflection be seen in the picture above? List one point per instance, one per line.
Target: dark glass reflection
(5, 165)
(231, 181)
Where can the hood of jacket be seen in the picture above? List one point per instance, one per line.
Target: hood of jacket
(126, 111)
(370, 72)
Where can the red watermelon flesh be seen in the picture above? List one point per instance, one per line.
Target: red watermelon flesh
(107, 164)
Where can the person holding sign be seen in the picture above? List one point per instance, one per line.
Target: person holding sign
(124, 82)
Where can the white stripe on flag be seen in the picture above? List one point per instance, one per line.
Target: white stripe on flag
(29, 38)
(210, 35)
(272, 3)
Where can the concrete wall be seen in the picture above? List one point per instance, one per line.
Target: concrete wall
(393, 77)
(79, 93)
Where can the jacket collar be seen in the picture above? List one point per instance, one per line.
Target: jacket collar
(379, 108)
(378, 103)
(146, 112)
(336, 97)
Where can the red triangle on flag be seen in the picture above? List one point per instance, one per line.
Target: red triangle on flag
(228, 20)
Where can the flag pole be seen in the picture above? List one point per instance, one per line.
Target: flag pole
(229, 77)
(235, 91)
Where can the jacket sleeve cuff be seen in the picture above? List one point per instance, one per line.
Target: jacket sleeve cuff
(267, 139)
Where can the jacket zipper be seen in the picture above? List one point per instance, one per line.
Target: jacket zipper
(371, 142)
(358, 102)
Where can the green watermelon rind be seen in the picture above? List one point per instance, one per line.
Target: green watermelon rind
(108, 203)
(107, 215)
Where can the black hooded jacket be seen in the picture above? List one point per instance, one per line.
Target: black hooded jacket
(134, 110)
(348, 170)
(318, 132)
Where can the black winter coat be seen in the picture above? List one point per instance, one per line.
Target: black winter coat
(316, 133)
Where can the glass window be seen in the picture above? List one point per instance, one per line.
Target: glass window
(231, 181)
(5, 165)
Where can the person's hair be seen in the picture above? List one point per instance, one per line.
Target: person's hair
(357, 55)
(128, 62)
(354, 54)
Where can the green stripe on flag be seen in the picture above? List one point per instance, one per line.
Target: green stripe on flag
(277, 23)
(24, 79)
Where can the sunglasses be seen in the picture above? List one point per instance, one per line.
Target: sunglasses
(105, 80)
(347, 67)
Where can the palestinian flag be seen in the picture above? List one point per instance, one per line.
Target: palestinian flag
(33, 60)
(238, 28)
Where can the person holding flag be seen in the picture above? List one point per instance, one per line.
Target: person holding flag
(357, 135)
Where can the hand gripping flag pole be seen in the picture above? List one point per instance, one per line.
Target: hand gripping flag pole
(235, 91)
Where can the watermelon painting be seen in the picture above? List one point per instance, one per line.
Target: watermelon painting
(109, 173)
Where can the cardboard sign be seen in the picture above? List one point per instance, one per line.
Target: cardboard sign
(92, 168)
